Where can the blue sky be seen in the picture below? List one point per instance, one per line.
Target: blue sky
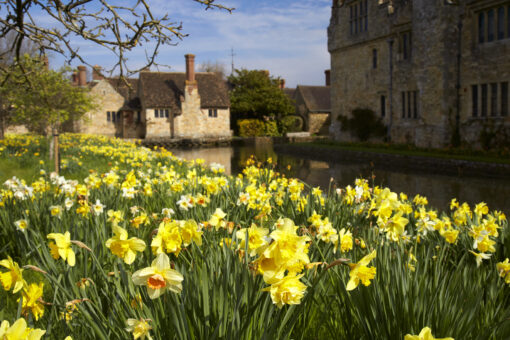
(288, 38)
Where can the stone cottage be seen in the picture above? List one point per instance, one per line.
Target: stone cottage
(158, 104)
(313, 104)
(435, 71)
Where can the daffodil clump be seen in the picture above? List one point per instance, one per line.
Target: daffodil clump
(130, 242)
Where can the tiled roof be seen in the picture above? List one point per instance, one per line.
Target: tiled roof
(289, 92)
(164, 90)
(317, 98)
(129, 91)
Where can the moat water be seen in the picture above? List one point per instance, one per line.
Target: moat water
(439, 189)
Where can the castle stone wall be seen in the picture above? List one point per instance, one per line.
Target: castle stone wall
(430, 70)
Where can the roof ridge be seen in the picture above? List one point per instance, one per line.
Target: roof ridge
(313, 86)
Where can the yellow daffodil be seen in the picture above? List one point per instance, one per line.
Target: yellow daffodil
(142, 219)
(159, 277)
(504, 270)
(115, 216)
(19, 331)
(395, 227)
(191, 232)
(287, 291)
(124, 248)
(361, 273)
(168, 238)
(56, 211)
(450, 235)
(454, 204)
(256, 238)
(425, 334)
(13, 278)
(327, 233)
(287, 252)
(218, 219)
(31, 299)
(61, 248)
(420, 200)
(481, 209)
(345, 240)
(139, 328)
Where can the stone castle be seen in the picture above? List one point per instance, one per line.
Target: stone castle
(435, 71)
(157, 104)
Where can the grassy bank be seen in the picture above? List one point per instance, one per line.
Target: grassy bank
(158, 246)
(501, 156)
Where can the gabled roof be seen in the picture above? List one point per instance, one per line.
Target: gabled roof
(165, 89)
(129, 91)
(317, 98)
(290, 92)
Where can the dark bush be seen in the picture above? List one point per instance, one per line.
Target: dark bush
(363, 124)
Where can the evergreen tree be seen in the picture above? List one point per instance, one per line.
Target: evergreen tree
(255, 94)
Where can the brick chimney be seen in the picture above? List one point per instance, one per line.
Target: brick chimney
(328, 77)
(282, 84)
(82, 75)
(190, 68)
(97, 73)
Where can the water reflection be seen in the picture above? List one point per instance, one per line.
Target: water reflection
(438, 189)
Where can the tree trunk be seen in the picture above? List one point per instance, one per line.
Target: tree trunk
(2, 128)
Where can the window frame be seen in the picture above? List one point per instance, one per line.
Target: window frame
(481, 27)
(213, 113)
(484, 100)
(504, 98)
(358, 17)
(383, 105)
(494, 99)
(403, 104)
(474, 101)
(493, 23)
(500, 23)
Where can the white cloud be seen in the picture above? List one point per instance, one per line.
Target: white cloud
(286, 37)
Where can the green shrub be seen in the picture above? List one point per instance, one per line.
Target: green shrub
(257, 128)
(271, 128)
(293, 123)
(363, 124)
(251, 127)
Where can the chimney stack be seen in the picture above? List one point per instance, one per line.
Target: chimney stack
(97, 73)
(328, 77)
(282, 84)
(190, 68)
(82, 75)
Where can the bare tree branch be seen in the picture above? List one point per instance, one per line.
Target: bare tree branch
(118, 28)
